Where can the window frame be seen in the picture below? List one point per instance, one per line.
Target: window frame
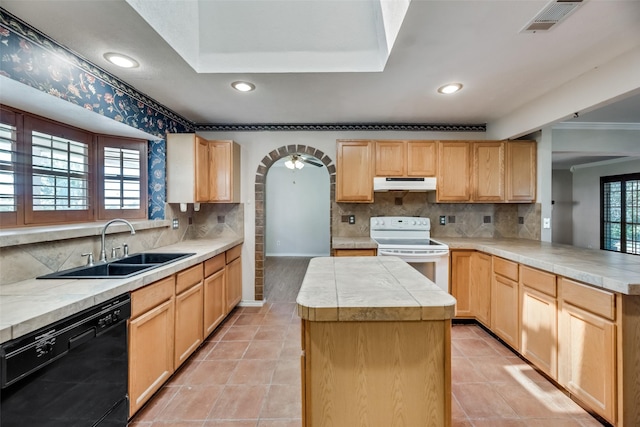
(129, 144)
(25, 216)
(623, 179)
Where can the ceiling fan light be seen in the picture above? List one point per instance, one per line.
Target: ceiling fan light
(299, 164)
(290, 164)
(450, 88)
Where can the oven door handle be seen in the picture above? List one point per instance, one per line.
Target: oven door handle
(407, 256)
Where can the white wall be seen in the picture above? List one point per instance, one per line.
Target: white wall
(298, 209)
(256, 145)
(586, 196)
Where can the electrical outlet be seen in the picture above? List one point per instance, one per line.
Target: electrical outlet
(277, 242)
(443, 220)
(175, 224)
(546, 223)
(352, 219)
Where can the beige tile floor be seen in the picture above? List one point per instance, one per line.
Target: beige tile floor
(247, 374)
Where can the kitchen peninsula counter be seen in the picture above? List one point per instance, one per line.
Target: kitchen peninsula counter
(376, 344)
(31, 304)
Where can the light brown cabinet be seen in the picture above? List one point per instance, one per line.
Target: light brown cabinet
(354, 171)
(454, 172)
(521, 171)
(480, 268)
(538, 319)
(587, 355)
(151, 340)
(215, 300)
(216, 170)
(234, 277)
(488, 171)
(405, 158)
(355, 252)
(189, 317)
(504, 301)
(461, 282)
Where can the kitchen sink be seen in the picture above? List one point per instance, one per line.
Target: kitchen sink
(121, 268)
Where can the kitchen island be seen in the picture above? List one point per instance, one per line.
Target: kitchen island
(376, 344)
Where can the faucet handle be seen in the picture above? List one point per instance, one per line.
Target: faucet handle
(89, 256)
(114, 252)
(125, 248)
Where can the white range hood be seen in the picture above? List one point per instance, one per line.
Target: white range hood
(404, 184)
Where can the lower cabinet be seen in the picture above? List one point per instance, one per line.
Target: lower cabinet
(355, 252)
(189, 317)
(504, 301)
(151, 340)
(481, 287)
(215, 301)
(461, 281)
(539, 319)
(587, 356)
(234, 277)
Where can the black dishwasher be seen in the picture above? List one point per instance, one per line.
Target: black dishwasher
(72, 373)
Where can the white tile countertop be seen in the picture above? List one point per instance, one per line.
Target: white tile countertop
(31, 304)
(604, 269)
(347, 289)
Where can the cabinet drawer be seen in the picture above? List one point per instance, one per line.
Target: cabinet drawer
(189, 277)
(538, 280)
(503, 267)
(233, 253)
(144, 299)
(354, 252)
(599, 302)
(214, 264)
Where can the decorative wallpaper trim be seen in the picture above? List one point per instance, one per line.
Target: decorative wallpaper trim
(32, 58)
(293, 127)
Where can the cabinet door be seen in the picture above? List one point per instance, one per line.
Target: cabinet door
(480, 278)
(391, 158)
(220, 171)
(422, 158)
(189, 323)
(454, 172)
(354, 172)
(150, 353)
(587, 359)
(488, 171)
(538, 334)
(215, 303)
(504, 309)
(461, 282)
(354, 252)
(202, 169)
(521, 171)
(234, 283)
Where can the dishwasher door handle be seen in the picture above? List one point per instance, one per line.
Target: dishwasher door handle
(82, 338)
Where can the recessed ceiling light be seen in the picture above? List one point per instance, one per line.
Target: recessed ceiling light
(120, 60)
(243, 86)
(450, 88)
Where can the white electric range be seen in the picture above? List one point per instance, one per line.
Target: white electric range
(409, 238)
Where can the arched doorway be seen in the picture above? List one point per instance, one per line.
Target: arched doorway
(260, 215)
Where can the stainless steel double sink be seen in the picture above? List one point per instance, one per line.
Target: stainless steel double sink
(120, 268)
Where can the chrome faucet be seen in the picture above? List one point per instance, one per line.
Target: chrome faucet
(103, 254)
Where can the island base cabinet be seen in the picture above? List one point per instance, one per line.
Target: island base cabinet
(587, 359)
(376, 374)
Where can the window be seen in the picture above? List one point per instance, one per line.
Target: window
(67, 174)
(124, 176)
(620, 213)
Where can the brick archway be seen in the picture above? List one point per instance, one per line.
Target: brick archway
(261, 176)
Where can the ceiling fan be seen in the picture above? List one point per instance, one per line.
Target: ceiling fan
(297, 161)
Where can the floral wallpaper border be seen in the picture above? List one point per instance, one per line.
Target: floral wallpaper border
(32, 58)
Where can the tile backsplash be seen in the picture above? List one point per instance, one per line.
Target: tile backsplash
(463, 219)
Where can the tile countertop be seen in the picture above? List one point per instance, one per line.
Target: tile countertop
(370, 289)
(31, 304)
(604, 269)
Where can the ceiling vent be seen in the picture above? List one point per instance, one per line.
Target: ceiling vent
(551, 15)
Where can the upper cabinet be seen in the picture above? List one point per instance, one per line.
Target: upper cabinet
(488, 171)
(454, 172)
(521, 171)
(405, 158)
(215, 166)
(354, 171)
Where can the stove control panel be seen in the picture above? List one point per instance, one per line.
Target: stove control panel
(400, 223)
